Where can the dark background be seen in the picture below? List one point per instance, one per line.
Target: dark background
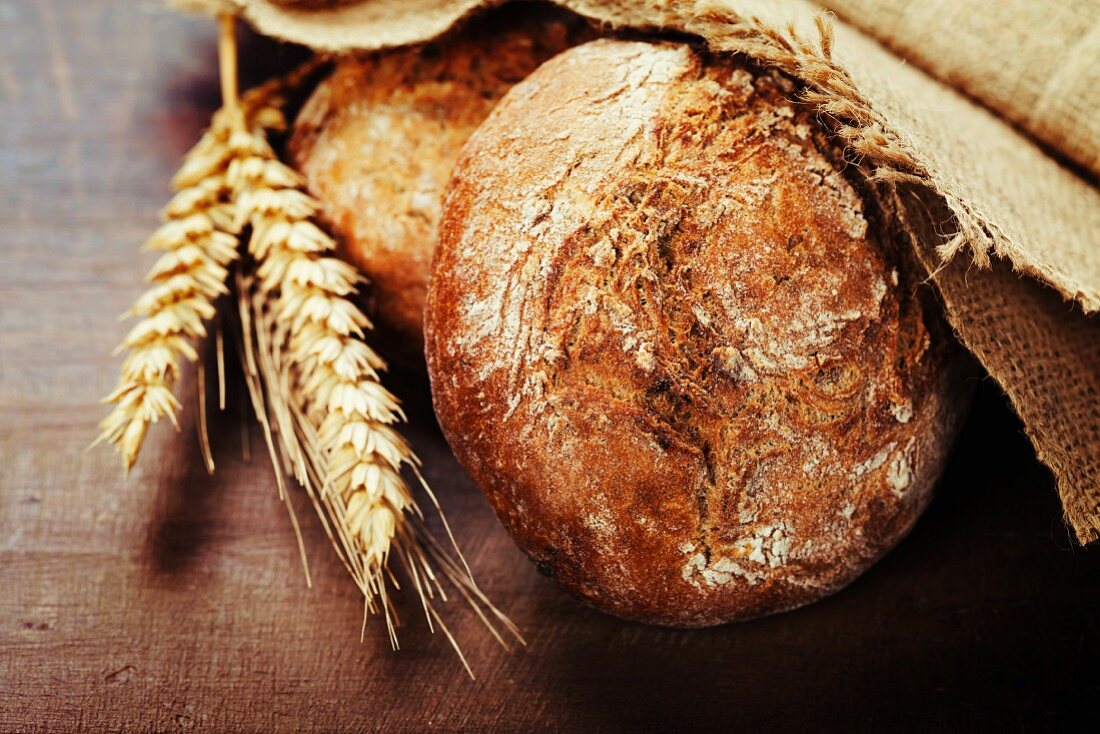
(175, 601)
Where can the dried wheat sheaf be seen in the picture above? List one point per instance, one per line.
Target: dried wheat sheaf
(313, 380)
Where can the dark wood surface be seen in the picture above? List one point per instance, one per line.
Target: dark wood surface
(175, 601)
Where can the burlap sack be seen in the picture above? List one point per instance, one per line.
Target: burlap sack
(1010, 237)
(1037, 64)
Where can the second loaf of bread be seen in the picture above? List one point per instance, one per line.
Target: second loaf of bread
(378, 138)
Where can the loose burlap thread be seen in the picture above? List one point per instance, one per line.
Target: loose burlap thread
(1010, 238)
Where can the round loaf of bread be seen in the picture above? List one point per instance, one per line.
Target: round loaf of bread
(377, 140)
(690, 370)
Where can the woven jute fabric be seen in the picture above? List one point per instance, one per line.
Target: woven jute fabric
(1037, 64)
(1044, 355)
(1011, 236)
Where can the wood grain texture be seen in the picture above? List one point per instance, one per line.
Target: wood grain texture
(174, 601)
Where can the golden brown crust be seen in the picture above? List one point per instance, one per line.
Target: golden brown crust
(378, 138)
(661, 338)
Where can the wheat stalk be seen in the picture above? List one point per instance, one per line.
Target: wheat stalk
(314, 383)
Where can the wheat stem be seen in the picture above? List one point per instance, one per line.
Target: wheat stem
(227, 61)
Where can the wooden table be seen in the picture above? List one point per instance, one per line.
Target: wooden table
(175, 600)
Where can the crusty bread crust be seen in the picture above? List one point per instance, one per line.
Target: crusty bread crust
(377, 140)
(693, 383)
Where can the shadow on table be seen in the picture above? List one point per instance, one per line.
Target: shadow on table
(190, 508)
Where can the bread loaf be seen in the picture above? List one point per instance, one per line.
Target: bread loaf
(378, 138)
(674, 346)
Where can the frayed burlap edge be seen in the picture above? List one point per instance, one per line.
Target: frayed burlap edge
(1067, 445)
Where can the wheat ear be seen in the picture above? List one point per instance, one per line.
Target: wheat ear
(199, 241)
